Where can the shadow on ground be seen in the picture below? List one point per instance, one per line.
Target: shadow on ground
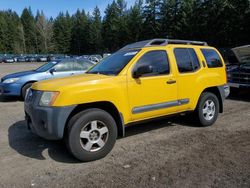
(242, 95)
(9, 98)
(30, 145)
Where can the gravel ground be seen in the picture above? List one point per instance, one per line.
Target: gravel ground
(166, 153)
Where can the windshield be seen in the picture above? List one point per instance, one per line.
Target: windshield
(46, 66)
(113, 64)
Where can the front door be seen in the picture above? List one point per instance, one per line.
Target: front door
(153, 94)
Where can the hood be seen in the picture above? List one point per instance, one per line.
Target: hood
(60, 84)
(242, 52)
(19, 74)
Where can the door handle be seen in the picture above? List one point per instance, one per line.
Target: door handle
(171, 81)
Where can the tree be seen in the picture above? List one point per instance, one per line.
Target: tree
(79, 33)
(29, 27)
(62, 33)
(44, 33)
(135, 21)
(95, 32)
(151, 14)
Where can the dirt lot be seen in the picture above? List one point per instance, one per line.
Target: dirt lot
(167, 153)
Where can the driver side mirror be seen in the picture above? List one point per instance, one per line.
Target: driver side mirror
(52, 70)
(146, 69)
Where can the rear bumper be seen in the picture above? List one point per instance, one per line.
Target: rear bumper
(10, 89)
(46, 122)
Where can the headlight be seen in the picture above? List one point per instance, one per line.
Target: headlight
(10, 80)
(48, 98)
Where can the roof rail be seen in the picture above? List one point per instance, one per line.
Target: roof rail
(162, 42)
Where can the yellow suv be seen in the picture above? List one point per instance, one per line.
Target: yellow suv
(141, 81)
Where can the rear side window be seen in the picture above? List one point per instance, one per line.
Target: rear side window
(212, 58)
(157, 59)
(186, 59)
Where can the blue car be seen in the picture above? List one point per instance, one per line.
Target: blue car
(17, 84)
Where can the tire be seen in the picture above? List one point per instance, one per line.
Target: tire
(210, 101)
(24, 89)
(95, 141)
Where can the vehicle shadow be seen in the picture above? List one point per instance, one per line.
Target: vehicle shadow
(9, 99)
(30, 145)
(154, 124)
(243, 95)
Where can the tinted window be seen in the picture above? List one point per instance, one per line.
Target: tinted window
(81, 65)
(186, 59)
(65, 66)
(46, 66)
(112, 65)
(212, 58)
(158, 60)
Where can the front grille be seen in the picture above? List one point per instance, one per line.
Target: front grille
(241, 78)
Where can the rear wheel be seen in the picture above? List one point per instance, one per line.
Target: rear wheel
(25, 88)
(207, 109)
(91, 134)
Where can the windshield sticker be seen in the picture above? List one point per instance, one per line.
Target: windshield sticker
(131, 53)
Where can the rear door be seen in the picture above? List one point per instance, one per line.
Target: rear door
(188, 68)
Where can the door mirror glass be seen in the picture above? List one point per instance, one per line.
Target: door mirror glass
(142, 70)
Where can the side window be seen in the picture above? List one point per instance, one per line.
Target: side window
(81, 65)
(64, 66)
(158, 60)
(212, 58)
(186, 59)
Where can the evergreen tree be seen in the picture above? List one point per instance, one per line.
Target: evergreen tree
(135, 21)
(62, 33)
(79, 33)
(151, 14)
(28, 22)
(95, 32)
(110, 27)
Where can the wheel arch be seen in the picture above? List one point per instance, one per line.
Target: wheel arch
(31, 81)
(103, 105)
(216, 91)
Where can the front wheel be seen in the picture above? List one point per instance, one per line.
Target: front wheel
(25, 88)
(91, 134)
(207, 109)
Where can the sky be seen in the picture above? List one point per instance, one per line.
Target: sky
(51, 8)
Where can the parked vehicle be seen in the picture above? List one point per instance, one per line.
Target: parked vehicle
(21, 59)
(238, 73)
(106, 55)
(95, 58)
(30, 59)
(144, 80)
(1, 59)
(8, 60)
(42, 59)
(17, 84)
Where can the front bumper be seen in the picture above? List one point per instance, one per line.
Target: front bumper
(239, 85)
(12, 89)
(46, 122)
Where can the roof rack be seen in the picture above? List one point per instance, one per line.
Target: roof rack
(162, 42)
